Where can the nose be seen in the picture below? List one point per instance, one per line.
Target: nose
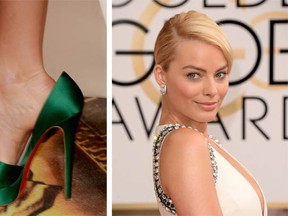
(210, 88)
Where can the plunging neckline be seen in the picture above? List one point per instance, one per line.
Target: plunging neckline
(248, 177)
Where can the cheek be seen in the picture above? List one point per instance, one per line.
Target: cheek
(223, 89)
(188, 90)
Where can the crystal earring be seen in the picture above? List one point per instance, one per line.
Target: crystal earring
(163, 89)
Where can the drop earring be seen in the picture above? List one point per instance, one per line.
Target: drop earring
(163, 89)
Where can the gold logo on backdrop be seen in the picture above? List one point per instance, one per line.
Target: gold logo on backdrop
(254, 22)
(147, 85)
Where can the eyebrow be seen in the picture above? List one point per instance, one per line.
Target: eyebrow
(201, 69)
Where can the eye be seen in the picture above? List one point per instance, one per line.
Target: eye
(193, 76)
(221, 75)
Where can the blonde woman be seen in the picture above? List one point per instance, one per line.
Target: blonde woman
(193, 174)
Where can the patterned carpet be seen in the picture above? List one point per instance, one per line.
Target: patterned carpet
(44, 189)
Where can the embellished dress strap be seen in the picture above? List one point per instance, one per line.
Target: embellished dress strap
(163, 198)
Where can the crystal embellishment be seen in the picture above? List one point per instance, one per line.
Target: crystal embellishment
(166, 201)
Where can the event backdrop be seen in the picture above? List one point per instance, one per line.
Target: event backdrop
(75, 41)
(253, 123)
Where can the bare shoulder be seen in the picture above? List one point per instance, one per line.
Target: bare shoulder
(184, 139)
(183, 149)
(186, 173)
(183, 152)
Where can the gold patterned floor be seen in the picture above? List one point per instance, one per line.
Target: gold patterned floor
(44, 189)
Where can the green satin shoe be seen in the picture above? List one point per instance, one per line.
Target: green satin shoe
(62, 110)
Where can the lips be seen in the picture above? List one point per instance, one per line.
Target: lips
(208, 106)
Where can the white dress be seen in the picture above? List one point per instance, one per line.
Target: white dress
(236, 195)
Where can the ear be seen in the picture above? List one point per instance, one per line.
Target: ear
(159, 74)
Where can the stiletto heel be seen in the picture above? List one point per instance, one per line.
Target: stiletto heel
(69, 134)
(62, 110)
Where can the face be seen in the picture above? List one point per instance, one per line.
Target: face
(196, 80)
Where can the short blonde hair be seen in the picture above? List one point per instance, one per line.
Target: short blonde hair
(189, 25)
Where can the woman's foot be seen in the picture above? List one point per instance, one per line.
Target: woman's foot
(21, 100)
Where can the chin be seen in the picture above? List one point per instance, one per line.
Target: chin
(213, 117)
(208, 117)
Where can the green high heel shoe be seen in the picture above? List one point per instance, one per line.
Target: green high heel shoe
(62, 110)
